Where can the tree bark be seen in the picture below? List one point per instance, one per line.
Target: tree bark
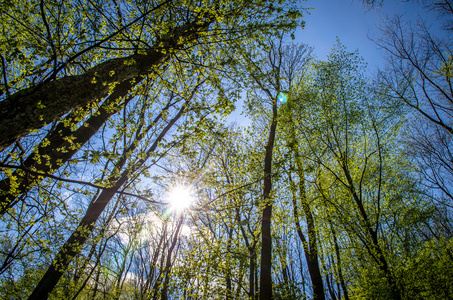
(228, 281)
(310, 247)
(74, 244)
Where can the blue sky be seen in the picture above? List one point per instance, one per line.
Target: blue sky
(352, 23)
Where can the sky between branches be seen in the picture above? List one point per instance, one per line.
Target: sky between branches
(354, 25)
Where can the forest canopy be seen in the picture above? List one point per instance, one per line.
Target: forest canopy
(120, 177)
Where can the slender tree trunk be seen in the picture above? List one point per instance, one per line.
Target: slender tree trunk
(229, 285)
(96, 283)
(168, 264)
(310, 250)
(160, 274)
(102, 247)
(256, 281)
(266, 245)
(333, 296)
(252, 256)
(239, 284)
(93, 268)
(252, 274)
(123, 270)
(147, 287)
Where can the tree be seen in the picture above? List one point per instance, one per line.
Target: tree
(55, 150)
(119, 175)
(107, 64)
(270, 72)
(121, 50)
(241, 177)
(34, 107)
(299, 194)
(364, 191)
(418, 78)
(330, 110)
(322, 173)
(226, 223)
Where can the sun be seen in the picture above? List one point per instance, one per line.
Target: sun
(180, 198)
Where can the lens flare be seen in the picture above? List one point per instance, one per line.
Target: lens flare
(282, 98)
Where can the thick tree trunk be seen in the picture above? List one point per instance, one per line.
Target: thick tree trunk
(74, 244)
(266, 245)
(33, 108)
(58, 147)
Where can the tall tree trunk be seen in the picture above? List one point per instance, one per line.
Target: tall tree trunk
(160, 266)
(96, 283)
(266, 245)
(145, 289)
(252, 255)
(329, 284)
(74, 244)
(93, 268)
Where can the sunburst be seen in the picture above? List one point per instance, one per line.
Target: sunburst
(180, 198)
